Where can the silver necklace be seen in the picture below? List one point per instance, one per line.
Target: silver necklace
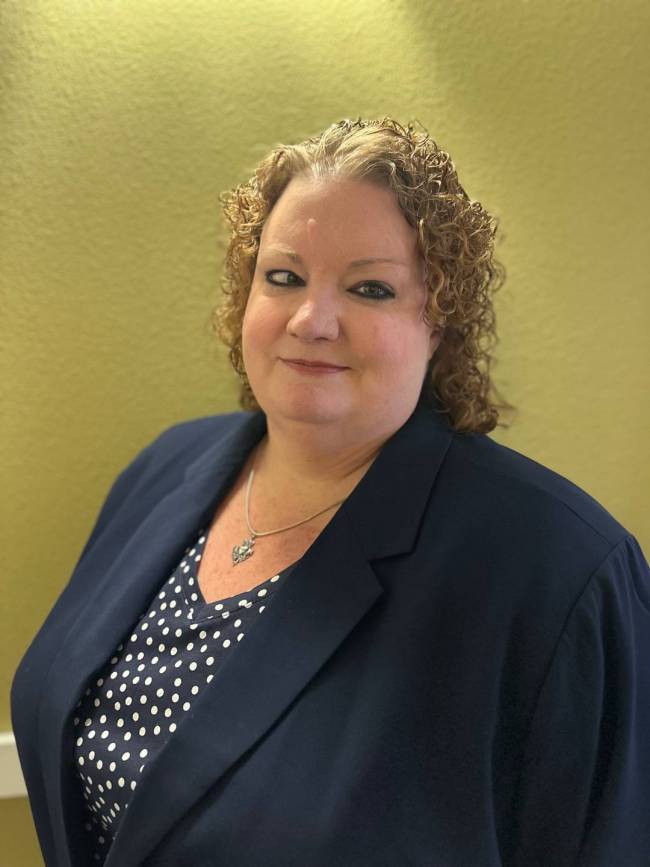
(246, 549)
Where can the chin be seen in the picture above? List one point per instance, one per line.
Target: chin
(309, 411)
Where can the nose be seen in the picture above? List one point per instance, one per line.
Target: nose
(316, 317)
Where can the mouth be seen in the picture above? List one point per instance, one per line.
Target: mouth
(305, 366)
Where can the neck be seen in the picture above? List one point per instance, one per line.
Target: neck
(328, 461)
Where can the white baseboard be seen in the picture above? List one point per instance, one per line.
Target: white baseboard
(12, 783)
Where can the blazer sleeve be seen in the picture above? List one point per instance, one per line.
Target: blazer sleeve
(30, 676)
(583, 798)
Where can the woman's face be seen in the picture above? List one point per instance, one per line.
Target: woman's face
(309, 302)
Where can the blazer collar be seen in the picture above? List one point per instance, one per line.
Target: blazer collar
(321, 600)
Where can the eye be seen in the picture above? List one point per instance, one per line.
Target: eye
(371, 289)
(379, 291)
(272, 282)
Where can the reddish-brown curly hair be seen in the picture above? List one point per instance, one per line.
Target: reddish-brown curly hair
(456, 239)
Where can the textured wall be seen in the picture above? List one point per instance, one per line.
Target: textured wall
(122, 121)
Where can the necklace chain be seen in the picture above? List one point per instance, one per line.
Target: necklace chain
(246, 549)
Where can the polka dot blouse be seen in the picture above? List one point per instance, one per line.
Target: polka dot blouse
(133, 708)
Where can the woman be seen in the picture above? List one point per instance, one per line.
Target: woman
(344, 626)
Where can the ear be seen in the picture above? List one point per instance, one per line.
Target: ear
(435, 339)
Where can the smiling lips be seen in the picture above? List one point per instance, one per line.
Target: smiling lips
(305, 366)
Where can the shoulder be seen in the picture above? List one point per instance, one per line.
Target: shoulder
(514, 497)
(553, 557)
(195, 434)
(162, 463)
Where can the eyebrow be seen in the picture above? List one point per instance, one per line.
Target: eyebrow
(357, 263)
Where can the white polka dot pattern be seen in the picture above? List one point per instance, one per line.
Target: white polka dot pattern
(143, 692)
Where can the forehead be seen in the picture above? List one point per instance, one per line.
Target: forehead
(353, 216)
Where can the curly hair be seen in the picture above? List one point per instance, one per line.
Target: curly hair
(456, 239)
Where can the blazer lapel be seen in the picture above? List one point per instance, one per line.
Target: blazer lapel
(321, 601)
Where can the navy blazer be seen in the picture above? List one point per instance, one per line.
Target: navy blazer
(455, 674)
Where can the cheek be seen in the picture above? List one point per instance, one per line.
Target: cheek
(394, 346)
(259, 325)
(246, 333)
(252, 338)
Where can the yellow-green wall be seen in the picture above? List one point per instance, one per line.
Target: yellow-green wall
(122, 120)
